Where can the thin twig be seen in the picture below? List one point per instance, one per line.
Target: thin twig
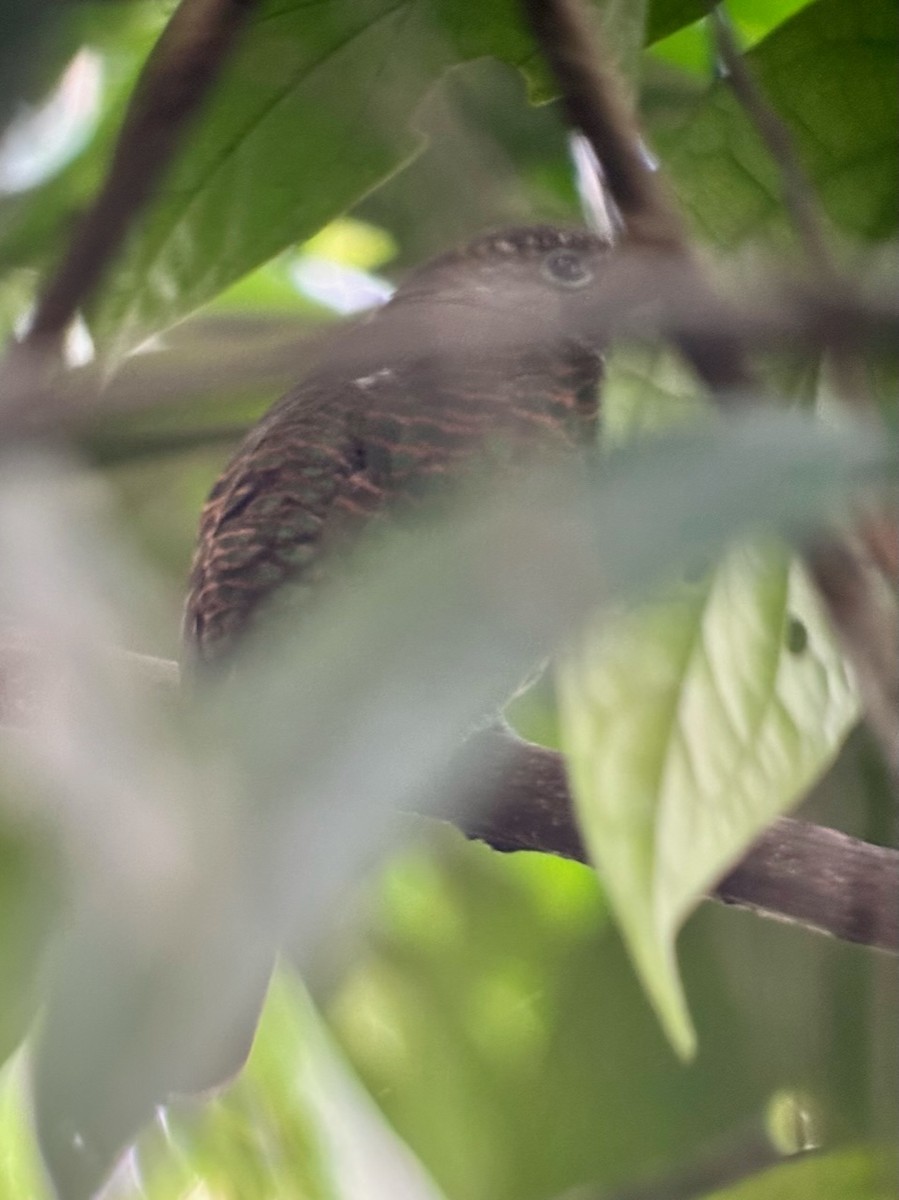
(174, 82)
(594, 102)
(798, 195)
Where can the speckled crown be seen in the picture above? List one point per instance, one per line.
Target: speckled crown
(528, 241)
(525, 242)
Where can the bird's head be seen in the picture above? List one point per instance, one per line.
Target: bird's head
(524, 286)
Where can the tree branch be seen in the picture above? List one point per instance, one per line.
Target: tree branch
(518, 799)
(594, 102)
(797, 872)
(175, 80)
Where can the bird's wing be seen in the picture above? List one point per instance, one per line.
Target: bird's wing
(266, 517)
(320, 465)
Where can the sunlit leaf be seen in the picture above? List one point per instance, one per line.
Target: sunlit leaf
(689, 726)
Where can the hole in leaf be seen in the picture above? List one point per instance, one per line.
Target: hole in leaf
(797, 636)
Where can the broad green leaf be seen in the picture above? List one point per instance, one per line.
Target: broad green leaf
(693, 722)
(830, 72)
(312, 112)
(689, 726)
(666, 17)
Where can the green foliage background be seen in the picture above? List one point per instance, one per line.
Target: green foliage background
(486, 1002)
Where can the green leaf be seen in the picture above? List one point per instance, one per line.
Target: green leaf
(761, 16)
(691, 723)
(312, 112)
(830, 73)
(34, 225)
(20, 1170)
(689, 726)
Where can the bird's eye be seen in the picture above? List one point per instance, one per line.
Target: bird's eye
(567, 268)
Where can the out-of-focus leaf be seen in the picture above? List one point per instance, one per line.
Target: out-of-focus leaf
(295, 1125)
(27, 35)
(865, 1173)
(667, 16)
(188, 870)
(761, 16)
(20, 1171)
(829, 72)
(34, 225)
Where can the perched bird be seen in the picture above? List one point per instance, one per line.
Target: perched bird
(484, 354)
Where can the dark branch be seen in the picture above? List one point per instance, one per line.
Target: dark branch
(594, 102)
(595, 105)
(798, 195)
(175, 80)
(518, 799)
(795, 872)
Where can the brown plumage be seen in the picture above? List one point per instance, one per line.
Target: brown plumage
(481, 354)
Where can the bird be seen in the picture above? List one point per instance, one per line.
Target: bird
(484, 355)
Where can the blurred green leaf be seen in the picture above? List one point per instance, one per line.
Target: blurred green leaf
(760, 16)
(214, 857)
(829, 72)
(296, 1125)
(667, 16)
(35, 225)
(20, 1169)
